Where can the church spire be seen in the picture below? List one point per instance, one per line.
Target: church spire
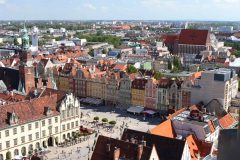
(25, 38)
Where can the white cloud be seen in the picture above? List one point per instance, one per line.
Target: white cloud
(227, 1)
(3, 1)
(89, 6)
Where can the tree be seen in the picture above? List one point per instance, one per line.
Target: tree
(15, 41)
(112, 122)
(96, 118)
(104, 120)
(8, 156)
(91, 52)
(176, 63)
(169, 64)
(158, 75)
(119, 56)
(131, 69)
(239, 85)
(104, 51)
(175, 70)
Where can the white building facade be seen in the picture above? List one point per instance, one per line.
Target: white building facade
(32, 125)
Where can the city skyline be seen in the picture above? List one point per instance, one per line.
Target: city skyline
(212, 10)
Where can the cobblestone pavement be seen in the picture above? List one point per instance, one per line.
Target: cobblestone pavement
(83, 150)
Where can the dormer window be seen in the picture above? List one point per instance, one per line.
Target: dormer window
(12, 118)
(47, 111)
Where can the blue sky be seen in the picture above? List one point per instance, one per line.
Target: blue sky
(120, 9)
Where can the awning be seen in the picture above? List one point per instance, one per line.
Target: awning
(137, 109)
(151, 112)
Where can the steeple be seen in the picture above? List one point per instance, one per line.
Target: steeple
(25, 38)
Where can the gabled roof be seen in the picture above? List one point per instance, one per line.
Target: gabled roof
(164, 129)
(167, 148)
(106, 147)
(194, 37)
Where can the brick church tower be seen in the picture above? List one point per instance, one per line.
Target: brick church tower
(26, 70)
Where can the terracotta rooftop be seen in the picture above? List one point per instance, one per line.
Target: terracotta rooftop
(164, 129)
(29, 110)
(193, 37)
(12, 97)
(227, 121)
(198, 148)
(47, 92)
(169, 38)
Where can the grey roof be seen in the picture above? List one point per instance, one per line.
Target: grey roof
(3, 87)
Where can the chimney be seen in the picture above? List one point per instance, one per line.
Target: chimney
(139, 152)
(144, 143)
(116, 153)
(108, 148)
(132, 140)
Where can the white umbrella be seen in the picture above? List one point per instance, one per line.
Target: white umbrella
(18, 157)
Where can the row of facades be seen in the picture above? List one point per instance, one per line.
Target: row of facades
(120, 88)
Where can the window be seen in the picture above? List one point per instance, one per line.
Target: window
(6, 133)
(36, 124)
(0, 146)
(72, 125)
(56, 119)
(37, 135)
(63, 127)
(7, 144)
(23, 139)
(68, 126)
(29, 137)
(44, 133)
(43, 123)
(0, 135)
(29, 127)
(56, 129)
(15, 141)
(14, 131)
(22, 128)
(49, 121)
(76, 123)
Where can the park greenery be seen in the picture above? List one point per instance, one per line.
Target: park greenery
(158, 75)
(131, 69)
(234, 45)
(174, 65)
(116, 41)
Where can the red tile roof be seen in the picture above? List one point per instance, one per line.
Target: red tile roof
(12, 97)
(198, 148)
(106, 148)
(170, 38)
(194, 37)
(29, 110)
(226, 121)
